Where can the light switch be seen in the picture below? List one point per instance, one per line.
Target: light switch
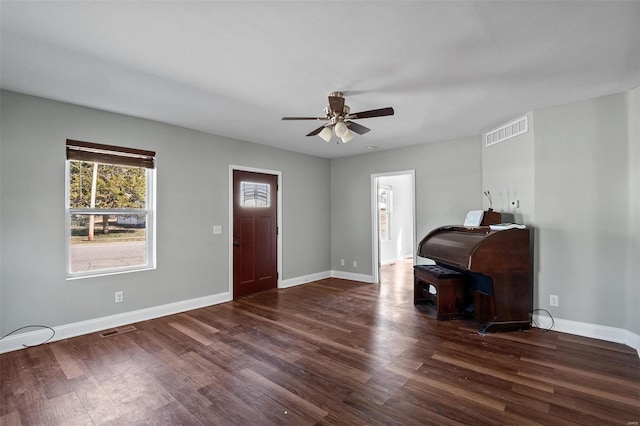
(217, 229)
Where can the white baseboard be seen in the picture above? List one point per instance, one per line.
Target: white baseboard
(326, 274)
(595, 331)
(351, 276)
(66, 331)
(291, 282)
(17, 341)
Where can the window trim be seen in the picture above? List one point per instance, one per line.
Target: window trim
(149, 210)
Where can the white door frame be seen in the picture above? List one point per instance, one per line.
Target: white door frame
(375, 240)
(278, 173)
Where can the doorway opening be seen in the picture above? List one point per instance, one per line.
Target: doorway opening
(393, 219)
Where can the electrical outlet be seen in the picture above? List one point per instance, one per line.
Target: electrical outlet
(355, 263)
(119, 296)
(553, 300)
(342, 262)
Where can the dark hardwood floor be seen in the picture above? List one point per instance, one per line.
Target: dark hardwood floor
(329, 352)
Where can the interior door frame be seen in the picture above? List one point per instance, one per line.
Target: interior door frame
(278, 173)
(375, 237)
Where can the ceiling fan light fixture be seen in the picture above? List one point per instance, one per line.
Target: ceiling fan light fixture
(347, 137)
(341, 129)
(325, 134)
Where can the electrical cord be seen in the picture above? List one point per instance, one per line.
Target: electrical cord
(53, 333)
(553, 323)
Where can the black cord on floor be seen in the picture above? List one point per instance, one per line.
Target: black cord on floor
(53, 333)
(553, 323)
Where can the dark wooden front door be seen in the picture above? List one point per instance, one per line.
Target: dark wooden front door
(255, 229)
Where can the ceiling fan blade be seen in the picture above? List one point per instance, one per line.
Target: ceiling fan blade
(381, 112)
(304, 118)
(336, 104)
(358, 128)
(316, 131)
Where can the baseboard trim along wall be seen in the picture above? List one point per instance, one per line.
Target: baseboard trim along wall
(36, 337)
(292, 282)
(326, 274)
(351, 276)
(15, 342)
(595, 331)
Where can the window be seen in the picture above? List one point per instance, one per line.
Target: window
(110, 209)
(384, 212)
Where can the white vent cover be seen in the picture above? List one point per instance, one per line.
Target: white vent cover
(508, 131)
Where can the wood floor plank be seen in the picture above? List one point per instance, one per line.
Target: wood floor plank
(457, 409)
(629, 400)
(227, 408)
(318, 362)
(625, 382)
(331, 352)
(12, 419)
(187, 331)
(449, 389)
(323, 389)
(596, 343)
(494, 372)
(297, 404)
(99, 406)
(71, 366)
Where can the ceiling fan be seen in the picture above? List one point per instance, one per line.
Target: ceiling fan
(339, 119)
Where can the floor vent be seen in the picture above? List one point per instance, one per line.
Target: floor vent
(117, 331)
(508, 131)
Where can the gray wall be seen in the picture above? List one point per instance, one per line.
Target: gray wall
(192, 181)
(448, 185)
(576, 175)
(508, 174)
(586, 207)
(582, 210)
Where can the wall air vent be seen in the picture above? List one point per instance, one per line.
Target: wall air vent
(508, 131)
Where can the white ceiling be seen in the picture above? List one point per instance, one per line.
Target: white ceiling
(450, 69)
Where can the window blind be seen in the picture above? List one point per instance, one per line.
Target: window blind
(109, 154)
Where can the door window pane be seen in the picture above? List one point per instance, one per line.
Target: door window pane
(255, 194)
